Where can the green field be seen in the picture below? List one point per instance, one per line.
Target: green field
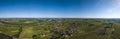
(56, 28)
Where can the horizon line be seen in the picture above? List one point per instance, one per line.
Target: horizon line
(59, 17)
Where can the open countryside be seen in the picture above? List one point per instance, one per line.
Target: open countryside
(59, 28)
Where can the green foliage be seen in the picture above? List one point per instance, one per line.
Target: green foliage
(59, 29)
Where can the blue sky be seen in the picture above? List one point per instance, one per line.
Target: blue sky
(59, 8)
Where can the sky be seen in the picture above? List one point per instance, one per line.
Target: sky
(59, 8)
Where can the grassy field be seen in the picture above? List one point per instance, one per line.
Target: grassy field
(59, 29)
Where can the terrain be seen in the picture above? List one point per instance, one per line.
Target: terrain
(59, 28)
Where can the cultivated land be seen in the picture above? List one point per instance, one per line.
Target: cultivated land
(59, 28)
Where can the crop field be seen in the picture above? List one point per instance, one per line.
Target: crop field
(59, 28)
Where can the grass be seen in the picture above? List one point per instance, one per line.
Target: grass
(83, 30)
